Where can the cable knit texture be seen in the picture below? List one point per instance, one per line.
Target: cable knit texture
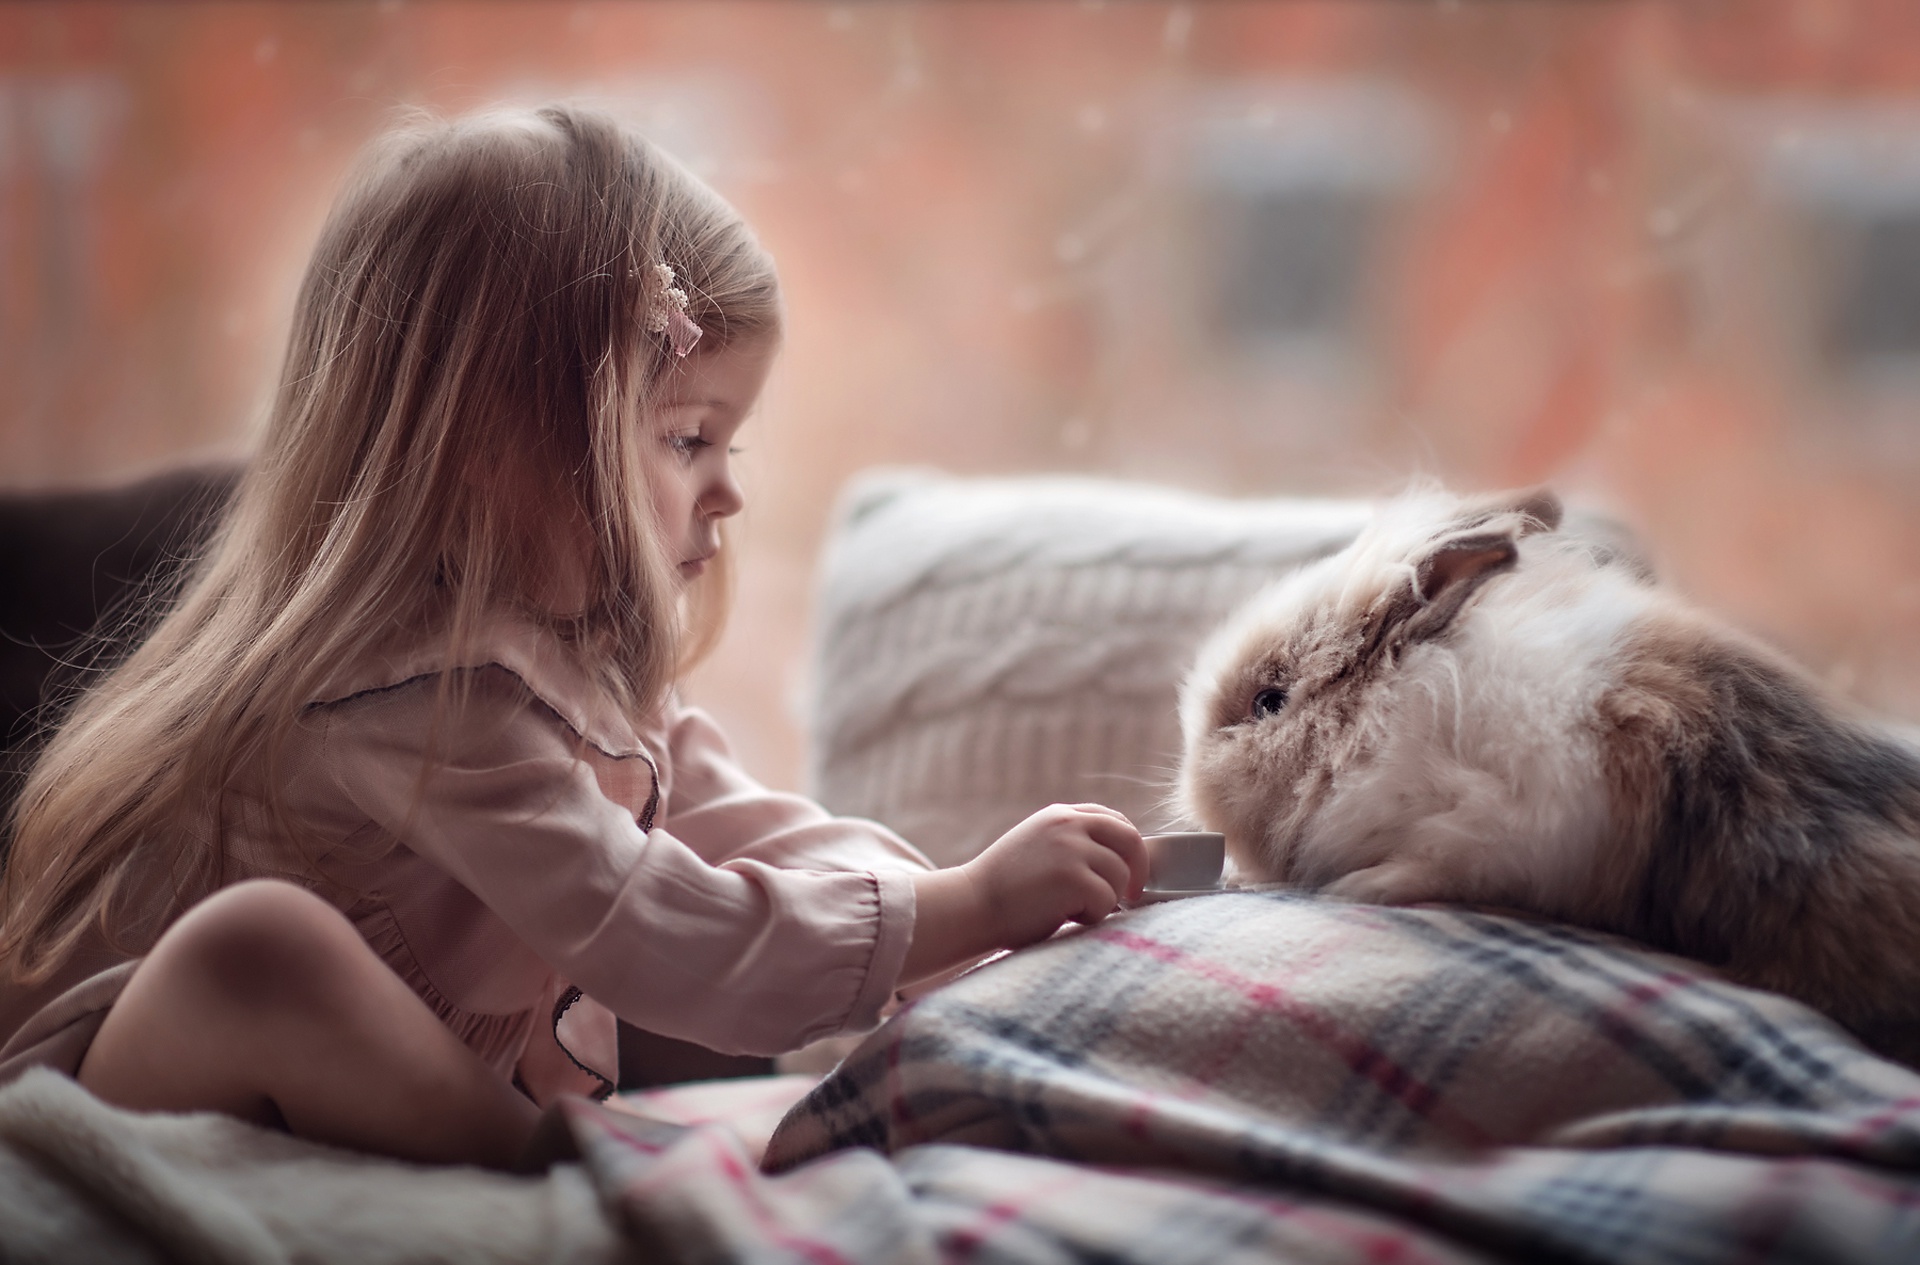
(989, 646)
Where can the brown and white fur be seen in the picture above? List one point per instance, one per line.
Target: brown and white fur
(1469, 705)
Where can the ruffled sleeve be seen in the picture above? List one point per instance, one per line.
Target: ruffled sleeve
(714, 939)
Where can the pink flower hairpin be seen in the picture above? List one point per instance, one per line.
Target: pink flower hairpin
(667, 313)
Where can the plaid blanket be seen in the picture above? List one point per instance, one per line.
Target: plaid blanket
(1252, 1076)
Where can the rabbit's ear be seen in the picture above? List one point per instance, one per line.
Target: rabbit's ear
(1481, 537)
(1522, 512)
(1463, 563)
(1539, 508)
(1478, 543)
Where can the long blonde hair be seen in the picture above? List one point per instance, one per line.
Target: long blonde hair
(473, 325)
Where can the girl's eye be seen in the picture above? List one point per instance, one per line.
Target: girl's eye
(1268, 702)
(687, 445)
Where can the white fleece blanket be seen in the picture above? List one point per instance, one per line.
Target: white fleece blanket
(81, 1181)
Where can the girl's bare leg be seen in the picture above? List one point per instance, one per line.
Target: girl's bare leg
(263, 1002)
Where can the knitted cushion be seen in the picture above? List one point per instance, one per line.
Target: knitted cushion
(989, 646)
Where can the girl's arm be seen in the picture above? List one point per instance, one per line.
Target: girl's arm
(1067, 862)
(743, 957)
(1070, 862)
(724, 814)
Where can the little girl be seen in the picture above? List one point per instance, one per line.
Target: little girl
(396, 810)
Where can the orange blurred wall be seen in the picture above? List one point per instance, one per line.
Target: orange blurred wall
(1592, 253)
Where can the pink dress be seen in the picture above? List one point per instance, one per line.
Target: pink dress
(561, 865)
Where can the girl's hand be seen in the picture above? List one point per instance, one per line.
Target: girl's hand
(1068, 862)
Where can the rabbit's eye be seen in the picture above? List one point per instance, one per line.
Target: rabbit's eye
(1268, 701)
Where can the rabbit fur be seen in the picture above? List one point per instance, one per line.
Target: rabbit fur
(1469, 705)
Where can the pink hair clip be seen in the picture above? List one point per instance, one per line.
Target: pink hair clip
(667, 313)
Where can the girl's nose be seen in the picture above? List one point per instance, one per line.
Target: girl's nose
(723, 497)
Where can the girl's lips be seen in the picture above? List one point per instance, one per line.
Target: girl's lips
(694, 566)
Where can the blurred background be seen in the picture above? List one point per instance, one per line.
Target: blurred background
(1664, 254)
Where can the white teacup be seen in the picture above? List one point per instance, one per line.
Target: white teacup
(1185, 860)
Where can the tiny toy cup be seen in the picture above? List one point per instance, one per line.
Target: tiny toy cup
(1185, 860)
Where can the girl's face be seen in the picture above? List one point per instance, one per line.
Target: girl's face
(708, 397)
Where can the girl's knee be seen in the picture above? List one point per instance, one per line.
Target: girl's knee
(261, 943)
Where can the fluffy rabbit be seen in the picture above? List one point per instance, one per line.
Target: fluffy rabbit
(1470, 705)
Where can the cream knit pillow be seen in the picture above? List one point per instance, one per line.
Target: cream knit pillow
(988, 646)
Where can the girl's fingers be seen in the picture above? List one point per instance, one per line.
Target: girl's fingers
(1112, 871)
(1124, 842)
(1098, 896)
